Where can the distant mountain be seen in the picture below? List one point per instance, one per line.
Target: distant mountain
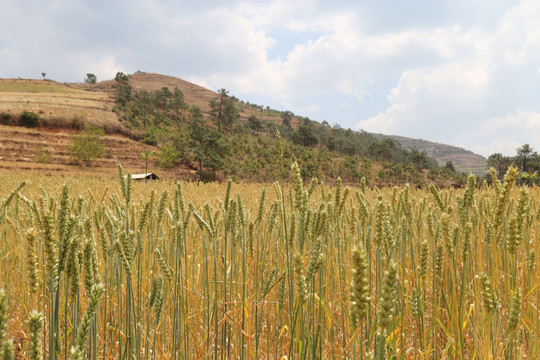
(464, 160)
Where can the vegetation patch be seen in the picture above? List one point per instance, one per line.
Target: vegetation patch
(231, 132)
(29, 119)
(6, 86)
(88, 147)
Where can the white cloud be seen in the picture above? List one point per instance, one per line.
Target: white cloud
(461, 97)
(425, 100)
(505, 147)
(385, 122)
(504, 134)
(310, 108)
(439, 72)
(519, 121)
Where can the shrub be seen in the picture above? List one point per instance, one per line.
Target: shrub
(30, 119)
(44, 155)
(5, 118)
(167, 157)
(206, 176)
(150, 138)
(77, 122)
(87, 147)
(53, 122)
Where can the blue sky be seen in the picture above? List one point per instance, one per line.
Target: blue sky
(465, 73)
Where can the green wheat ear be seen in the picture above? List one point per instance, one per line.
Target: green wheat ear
(260, 212)
(359, 285)
(35, 324)
(488, 296)
(32, 260)
(9, 199)
(6, 345)
(515, 311)
(435, 192)
(300, 278)
(241, 211)
(389, 288)
(424, 253)
(51, 248)
(531, 260)
(163, 265)
(160, 301)
(84, 325)
(300, 200)
(122, 179)
(7, 350)
(315, 261)
(156, 289)
(416, 303)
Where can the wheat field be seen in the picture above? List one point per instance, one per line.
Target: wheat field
(98, 268)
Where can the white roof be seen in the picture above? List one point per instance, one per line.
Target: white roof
(141, 176)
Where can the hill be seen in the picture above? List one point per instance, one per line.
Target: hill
(194, 95)
(463, 160)
(188, 129)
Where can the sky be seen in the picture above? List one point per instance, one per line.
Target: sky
(460, 72)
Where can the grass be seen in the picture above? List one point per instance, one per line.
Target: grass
(246, 271)
(36, 88)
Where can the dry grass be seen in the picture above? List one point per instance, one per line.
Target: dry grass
(56, 101)
(23, 86)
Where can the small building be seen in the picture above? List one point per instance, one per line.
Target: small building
(146, 177)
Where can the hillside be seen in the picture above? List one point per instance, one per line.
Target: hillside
(56, 102)
(35, 149)
(63, 111)
(194, 95)
(464, 160)
(177, 121)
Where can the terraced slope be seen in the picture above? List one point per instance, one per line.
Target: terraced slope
(21, 148)
(56, 101)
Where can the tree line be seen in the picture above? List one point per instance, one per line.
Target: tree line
(214, 142)
(526, 160)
